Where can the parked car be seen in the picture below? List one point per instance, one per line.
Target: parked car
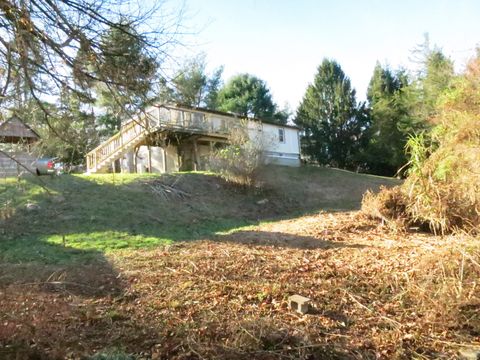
(49, 166)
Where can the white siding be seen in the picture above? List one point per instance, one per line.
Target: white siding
(286, 152)
(289, 145)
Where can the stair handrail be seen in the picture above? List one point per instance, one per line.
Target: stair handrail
(96, 156)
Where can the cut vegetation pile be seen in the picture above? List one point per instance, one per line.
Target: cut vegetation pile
(442, 190)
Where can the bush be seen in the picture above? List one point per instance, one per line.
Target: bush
(240, 161)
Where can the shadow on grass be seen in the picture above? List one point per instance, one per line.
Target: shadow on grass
(48, 297)
(80, 272)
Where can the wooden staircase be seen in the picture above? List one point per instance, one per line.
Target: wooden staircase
(131, 135)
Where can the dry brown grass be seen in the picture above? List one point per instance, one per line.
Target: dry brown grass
(377, 294)
(445, 191)
(388, 205)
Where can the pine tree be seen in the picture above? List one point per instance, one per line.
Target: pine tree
(435, 79)
(333, 124)
(389, 100)
(250, 96)
(126, 71)
(400, 108)
(193, 86)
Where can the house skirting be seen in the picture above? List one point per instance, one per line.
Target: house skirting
(284, 159)
(153, 159)
(182, 157)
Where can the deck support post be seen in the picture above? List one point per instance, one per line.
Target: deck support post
(135, 154)
(196, 160)
(130, 168)
(164, 159)
(149, 156)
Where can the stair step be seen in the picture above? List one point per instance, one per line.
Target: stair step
(120, 151)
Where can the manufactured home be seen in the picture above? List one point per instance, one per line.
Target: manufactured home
(168, 138)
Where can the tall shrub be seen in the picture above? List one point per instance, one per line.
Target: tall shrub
(240, 161)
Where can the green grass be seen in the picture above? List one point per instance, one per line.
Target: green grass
(81, 217)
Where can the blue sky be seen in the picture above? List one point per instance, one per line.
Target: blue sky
(284, 41)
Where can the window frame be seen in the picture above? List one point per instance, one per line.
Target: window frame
(281, 135)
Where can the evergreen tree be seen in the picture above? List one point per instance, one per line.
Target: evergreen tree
(400, 108)
(390, 102)
(214, 84)
(333, 124)
(248, 95)
(75, 122)
(127, 73)
(71, 131)
(193, 86)
(436, 77)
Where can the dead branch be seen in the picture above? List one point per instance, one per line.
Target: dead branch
(167, 192)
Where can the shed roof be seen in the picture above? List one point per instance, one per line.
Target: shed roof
(15, 130)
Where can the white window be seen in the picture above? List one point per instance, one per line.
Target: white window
(281, 135)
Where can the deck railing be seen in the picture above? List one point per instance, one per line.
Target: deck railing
(190, 119)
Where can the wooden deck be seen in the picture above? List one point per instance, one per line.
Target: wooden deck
(157, 119)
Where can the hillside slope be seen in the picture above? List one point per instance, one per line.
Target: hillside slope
(105, 212)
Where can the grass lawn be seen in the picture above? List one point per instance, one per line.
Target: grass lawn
(79, 216)
(104, 265)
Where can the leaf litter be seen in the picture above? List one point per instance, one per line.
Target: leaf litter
(378, 293)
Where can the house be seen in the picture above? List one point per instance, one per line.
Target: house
(16, 140)
(168, 138)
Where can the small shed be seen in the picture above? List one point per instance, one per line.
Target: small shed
(16, 139)
(14, 131)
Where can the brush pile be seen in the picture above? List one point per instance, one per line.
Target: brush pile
(442, 189)
(167, 191)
